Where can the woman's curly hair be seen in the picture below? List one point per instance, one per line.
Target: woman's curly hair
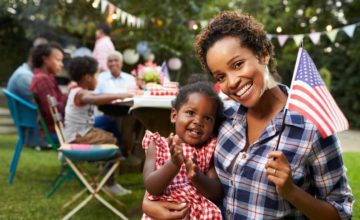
(250, 33)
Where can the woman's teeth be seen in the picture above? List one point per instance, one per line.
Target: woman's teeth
(244, 89)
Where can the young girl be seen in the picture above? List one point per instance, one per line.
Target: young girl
(180, 168)
(79, 110)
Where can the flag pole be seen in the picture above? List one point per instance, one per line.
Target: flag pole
(286, 105)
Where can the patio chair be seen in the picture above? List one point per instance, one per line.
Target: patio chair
(77, 154)
(25, 115)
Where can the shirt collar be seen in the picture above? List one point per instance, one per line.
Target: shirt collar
(119, 77)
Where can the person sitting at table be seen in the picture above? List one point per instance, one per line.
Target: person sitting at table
(114, 81)
(19, 83)
(47, 61)
(180, 168)
(79, 111)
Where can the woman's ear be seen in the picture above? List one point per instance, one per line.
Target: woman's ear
(265, 58)
(173, 115)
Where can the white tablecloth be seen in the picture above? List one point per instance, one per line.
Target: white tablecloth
(152, 102)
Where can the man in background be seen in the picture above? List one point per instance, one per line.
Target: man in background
(114, 81)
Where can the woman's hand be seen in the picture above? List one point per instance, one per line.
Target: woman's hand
(164, 210)
(177, 156)
(279, 172)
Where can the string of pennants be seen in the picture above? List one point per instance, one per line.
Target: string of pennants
(315, 36)
(115, 13)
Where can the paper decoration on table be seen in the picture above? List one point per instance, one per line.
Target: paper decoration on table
(165, 71)
(174, 63)
(142, 47)
(130, 56)
(167, 89)
(149, 56)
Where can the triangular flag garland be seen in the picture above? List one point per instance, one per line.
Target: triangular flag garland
(315, 36)
(115, 13)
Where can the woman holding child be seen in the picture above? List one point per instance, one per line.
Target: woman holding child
(304, 178)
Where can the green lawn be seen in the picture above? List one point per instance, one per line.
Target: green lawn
(26, 198)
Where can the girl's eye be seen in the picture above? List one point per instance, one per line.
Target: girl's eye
(190, 113)
(208, 118)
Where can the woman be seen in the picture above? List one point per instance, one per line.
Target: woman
(305, 177)
(47, 61)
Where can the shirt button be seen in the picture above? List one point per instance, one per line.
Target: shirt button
(243, 156)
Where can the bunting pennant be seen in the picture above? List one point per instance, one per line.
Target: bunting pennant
(115, 13)
(282, 39)
(332, 35)
(349, 30)
(104, 4)
(315, 37)
(298, 39)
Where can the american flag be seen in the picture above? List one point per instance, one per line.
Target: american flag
(165, 71)
(309, 96)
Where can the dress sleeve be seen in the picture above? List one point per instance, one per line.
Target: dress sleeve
(329, 175)
(148, 137)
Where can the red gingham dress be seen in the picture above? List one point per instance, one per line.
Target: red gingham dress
(180, 188)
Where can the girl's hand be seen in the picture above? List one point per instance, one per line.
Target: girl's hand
(191, 168)
(279, 172)
(177, 156)
(165, 210)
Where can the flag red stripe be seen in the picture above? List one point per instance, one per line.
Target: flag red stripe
(324, 94)
(308, 116)
(314, 109)
(341, 117)
(318, 101)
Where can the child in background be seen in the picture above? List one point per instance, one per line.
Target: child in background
(79, 111)
(180, 168)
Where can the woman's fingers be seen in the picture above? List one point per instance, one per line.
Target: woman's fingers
(278, 171)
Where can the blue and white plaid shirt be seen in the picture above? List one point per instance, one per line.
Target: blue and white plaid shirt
(316, 163)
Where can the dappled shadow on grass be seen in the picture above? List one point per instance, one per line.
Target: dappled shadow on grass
(26, 197)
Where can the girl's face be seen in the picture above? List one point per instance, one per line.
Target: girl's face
(91, 81)
(194, 122)
(54, 62)
(238, 71)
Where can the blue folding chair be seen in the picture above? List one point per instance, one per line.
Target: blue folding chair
(25, 115)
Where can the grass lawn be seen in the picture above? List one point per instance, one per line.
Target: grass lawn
(26, 198)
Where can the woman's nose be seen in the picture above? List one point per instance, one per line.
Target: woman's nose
(233, 80)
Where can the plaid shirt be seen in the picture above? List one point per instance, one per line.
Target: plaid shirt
(42, 85)
(316, 163)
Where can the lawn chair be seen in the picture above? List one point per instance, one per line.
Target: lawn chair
(25, 115)
(75, 154)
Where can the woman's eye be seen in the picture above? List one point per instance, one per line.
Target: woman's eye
(237, 65)
(219, 78)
